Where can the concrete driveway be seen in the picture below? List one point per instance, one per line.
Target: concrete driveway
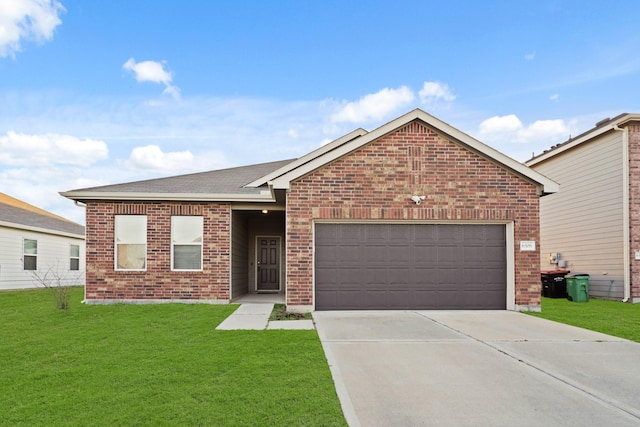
(497, 368)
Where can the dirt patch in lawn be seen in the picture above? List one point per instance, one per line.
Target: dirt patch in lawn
(280, 313)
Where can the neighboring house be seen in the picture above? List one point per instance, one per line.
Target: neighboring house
(412, 215)
(594, 222)
(33, 242)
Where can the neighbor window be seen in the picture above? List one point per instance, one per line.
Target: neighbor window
(186, 242)
(74, 257)
(131, 242)
(30, 254)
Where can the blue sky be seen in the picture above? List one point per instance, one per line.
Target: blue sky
(102, 92)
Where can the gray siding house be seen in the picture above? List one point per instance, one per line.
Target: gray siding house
(593, 224)
(34, 241)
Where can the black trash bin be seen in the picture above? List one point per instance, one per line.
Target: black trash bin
(554, 284)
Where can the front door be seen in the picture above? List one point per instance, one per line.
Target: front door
(268, 264)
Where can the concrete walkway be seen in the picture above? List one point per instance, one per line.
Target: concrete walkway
(256, 317)
(437, 368)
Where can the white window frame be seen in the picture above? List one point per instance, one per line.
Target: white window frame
(72, 257)
(129, 241)
(175, 240)
(25, 255)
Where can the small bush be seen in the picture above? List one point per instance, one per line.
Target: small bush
(59, 283)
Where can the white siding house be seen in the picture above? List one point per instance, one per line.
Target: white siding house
(34, 242)
(587, 222)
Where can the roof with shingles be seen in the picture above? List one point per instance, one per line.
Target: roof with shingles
(224, 181)
(22, 214)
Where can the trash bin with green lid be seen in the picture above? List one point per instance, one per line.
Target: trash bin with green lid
(578, 287)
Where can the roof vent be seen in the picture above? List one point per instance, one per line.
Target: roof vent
(603, 121)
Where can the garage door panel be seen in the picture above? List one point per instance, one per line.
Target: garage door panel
(348, 254)
(351, 232)
(410, 266)
(424, 234)
(398, 276)
(327, 275)
(449, 255)
(375, 254)
(399, 233)
(400, 255)
(425, 255)
(377, 234)
(375, 277)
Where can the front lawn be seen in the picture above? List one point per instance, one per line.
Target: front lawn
(609, 317)
(154, 365)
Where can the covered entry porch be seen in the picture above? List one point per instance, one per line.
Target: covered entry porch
(257, 253)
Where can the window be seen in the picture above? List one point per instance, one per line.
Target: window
(186, 242)
(30, 254)
(131, 242)
(74, 257)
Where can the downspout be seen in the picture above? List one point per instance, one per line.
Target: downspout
(625, 212)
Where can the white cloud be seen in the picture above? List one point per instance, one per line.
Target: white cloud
(375, 106)
(530, 56)
(18, 149)
(500, 124)
(549, 130)
(435, 91)
(154, 72)
(151, 158)
(510, 129)
(555, 97)
(27, 20)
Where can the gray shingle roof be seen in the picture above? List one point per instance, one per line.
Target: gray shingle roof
(224, 181)
(18, 216)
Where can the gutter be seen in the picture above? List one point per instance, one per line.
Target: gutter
(625, 212)
(80, 196)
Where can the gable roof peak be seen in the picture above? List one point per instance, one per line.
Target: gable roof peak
(344, 146)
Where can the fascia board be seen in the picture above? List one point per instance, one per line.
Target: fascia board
(40, 230)
(548, 186)
(584, 138)
(307, 158)
(97, 195)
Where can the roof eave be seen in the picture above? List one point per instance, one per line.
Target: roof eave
(585, 137)
(263, 197)
(51, 231)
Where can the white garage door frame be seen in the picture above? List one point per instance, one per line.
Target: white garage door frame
(510, 248)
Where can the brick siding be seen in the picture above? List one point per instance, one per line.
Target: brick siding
(376, 182)
(634, 208)
(158, 282)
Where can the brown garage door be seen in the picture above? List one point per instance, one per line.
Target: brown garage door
(410, 266)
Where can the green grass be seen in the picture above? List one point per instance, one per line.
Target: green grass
(609, 317)
(154, 365)
(280, 313)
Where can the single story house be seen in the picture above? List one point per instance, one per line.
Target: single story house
(412, 215)
(593, 225)
(33, 242)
